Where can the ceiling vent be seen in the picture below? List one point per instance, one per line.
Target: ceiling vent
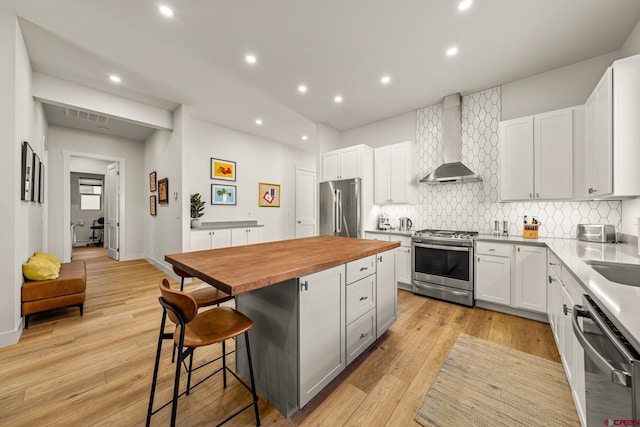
(86, 115)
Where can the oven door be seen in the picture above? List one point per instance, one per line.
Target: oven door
(443, 265)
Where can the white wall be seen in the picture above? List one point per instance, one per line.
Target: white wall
(62, 139)
(395, 129)
(22, 226)
(555, 89)
(257, 160)
(163, 154)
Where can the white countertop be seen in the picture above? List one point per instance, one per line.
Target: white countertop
(620, 302)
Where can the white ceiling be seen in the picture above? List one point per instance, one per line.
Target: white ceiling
(333, 46)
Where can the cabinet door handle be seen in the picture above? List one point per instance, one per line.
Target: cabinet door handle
(363, 335)
(364, 268)
(553, 263)
(363, 298)
(380, 258)
(538, 195)
(518, 249)
(530, 195)
(304, 285)
(566, 310)
(492, 250)
(592, 190)
(550, 279)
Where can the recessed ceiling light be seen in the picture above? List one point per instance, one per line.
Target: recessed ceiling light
(251, 59)
(385, 80)
(302, 89)
(465, 4)
(166, 11)
(305, 137)
(452, 51)
(337, 99)
(258, 122)
(114, 78)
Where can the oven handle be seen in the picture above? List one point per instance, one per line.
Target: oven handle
(619, 377)
(446, 248)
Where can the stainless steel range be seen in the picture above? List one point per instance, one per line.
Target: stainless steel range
(442, 264)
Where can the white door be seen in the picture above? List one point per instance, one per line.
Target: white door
(112, 220)
(305, 203)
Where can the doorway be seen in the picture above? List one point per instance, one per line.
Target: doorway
(305, 203)
(111, 169)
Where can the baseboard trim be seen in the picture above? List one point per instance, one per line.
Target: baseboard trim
(12, 337)
(164, 268)
(541, 317)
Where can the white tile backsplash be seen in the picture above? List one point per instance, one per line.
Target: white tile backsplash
(474, 206)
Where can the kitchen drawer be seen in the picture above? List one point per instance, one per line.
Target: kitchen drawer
(496, 249)
(555, 264)
(403, 240)
(360, 268)
(573, 286)
(361, 297)
(360, 335)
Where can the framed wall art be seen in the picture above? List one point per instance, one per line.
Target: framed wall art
(35, 178)
(163, 191)
(41, 186)
(152, 182)
(223, 194)
(27, 172)
(152, 205)
(268, 195)
(223, 169)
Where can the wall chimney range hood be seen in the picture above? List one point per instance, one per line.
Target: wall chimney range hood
(452, 170)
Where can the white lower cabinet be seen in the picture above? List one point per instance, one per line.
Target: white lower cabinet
(210, 239)
(403, 256)
(512, 275)
(571, 352)
(321, 330)
(530, 285)
(493, 272)
(246, 236)
(386, 291)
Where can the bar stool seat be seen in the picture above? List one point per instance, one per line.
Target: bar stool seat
(213, 326)
(198, 329)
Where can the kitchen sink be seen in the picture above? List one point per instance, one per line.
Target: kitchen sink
(625, 274)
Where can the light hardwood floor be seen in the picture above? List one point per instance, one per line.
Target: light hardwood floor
(96, 369)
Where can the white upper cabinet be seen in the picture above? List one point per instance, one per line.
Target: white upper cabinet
(599, 138)
(343, 164)
(612, 132)
(394, 173)
(553, 155)
(516, 159)
(536, 156)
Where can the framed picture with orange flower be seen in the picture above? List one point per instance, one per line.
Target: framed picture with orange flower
(223, 169)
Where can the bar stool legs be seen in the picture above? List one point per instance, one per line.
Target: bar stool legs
(183, 354)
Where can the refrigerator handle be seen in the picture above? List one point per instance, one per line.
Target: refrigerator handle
(338, 211)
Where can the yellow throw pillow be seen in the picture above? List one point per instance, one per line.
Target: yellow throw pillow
(49, 257)
(40, 269)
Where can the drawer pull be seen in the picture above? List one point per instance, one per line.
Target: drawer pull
(492, 250)
(363, 298)
(364, 268)
(363, 335)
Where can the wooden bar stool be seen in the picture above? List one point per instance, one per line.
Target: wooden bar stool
(195, 330)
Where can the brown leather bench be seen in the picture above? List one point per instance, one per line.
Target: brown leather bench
(68, 290)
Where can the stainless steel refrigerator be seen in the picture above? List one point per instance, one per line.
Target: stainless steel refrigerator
(340, 207)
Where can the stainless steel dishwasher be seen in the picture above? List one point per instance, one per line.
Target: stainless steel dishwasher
(612, 367)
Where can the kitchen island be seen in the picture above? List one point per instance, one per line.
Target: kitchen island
(317, 303)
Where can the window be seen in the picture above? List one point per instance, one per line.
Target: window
(90, 194)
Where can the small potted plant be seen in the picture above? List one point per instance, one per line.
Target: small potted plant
(197, 210)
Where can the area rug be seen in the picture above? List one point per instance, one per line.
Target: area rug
(486, 384)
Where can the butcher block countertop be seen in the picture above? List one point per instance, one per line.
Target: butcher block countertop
(241, 269)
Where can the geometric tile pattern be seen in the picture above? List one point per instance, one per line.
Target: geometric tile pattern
(474, 206)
